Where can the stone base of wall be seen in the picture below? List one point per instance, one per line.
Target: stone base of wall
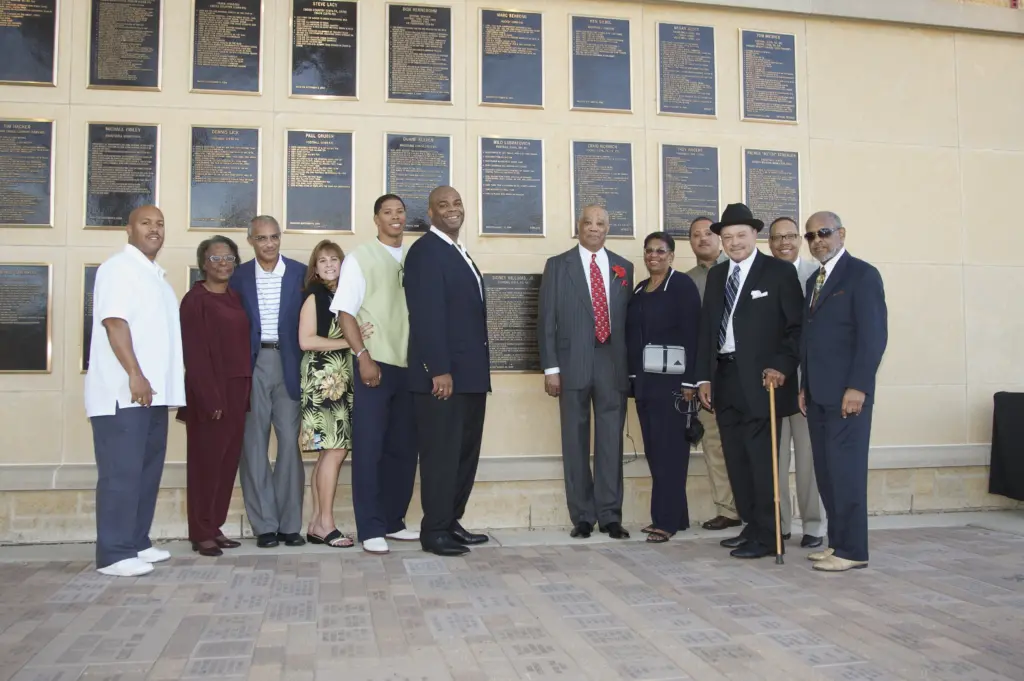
(68, 515)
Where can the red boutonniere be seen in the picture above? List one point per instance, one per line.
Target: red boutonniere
(620, 272)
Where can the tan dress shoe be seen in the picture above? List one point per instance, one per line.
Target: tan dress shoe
(820, 555)
(837, 564)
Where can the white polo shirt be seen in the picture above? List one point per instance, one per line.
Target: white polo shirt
(131, 287)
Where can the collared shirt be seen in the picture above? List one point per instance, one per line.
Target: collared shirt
(831, 264)
(744, 267)
(796, 263)
(465, 256)
(605, 267)
(352, 284)
(268, 292)
(699, 274)
(131, 287)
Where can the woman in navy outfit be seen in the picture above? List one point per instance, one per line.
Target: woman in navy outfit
(664, 310)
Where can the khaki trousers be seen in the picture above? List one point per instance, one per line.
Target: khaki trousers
(812, 511)
(721, 490)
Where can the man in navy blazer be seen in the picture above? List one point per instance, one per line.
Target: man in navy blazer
(843, 339)
(449, 372)
(272, 295)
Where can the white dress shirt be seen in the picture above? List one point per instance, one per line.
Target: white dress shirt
(831, 264)
(605, 267)
(351, 291)
(744, 268)
(268, 292)
(132, 287)
(465, 256)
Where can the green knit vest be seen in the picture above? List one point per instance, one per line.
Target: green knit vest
(384, 304)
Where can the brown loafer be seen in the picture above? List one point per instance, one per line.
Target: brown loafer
(720, 522)
(225, 543)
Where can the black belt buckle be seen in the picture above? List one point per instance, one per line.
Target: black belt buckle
(727, 357)
(270, 346)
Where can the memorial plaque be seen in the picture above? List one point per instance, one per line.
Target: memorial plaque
(601, 73)
(689, 187)
(318, 183)
(88, 286)
(414, 166)
(28, 34)
(511, 186)
(224, 190)
(121, 173)
(26, 173)
(771, 185)
(511, 58)
(768, 76)
(602, 174)
(686, 70)
(25, 318)
(325, 53)
(420, 53)
(227, 36)
(194, 274)
(124, 44)
(513, 302)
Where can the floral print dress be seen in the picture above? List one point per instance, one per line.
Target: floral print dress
(326, 385)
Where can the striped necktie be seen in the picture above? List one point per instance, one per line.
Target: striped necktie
(732, 287)
(818, 284)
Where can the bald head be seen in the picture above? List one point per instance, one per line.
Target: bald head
(146, 230)
(444, 207)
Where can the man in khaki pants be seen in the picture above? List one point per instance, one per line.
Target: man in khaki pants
(707, 248)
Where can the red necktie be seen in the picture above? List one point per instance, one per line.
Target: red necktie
(602, 327)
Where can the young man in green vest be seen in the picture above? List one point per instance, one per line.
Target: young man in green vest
(383, 426)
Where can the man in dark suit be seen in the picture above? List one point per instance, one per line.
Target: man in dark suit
(749, 339)
(449, 372)
(272, 295)
(845, 331)
(581, 331)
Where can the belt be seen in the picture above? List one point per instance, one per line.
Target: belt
(727, 357)
(270, 346)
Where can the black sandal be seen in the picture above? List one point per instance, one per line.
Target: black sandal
(658, 536)
(650, 528)
(334, 539)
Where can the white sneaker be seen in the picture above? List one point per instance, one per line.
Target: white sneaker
(154, 555)
(376, 545)
(405, 535)
(129, 567)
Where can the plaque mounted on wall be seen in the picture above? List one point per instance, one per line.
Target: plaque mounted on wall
(324, 49)
(193, 275)
(511, 58)
(419, 53)
(513, 302)
(28, 34)
(224, 187)
(124, 44)
(602, 174)
(771, 185)
(511, 186)
(600, 69)
(690, 187)
(414, 166)
(227, 40)
(26, 173)
(768, 77)
(121, 172)
(26, 318)
(686, 70)
(318, 181)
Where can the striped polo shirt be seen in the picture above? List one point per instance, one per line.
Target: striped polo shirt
(268, 291)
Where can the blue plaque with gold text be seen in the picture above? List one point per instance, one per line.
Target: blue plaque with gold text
(28, 39)
(511, 186)
(768, 76)
(689, 187)
(414, 166)
(124, 44)
(122, 172)
(318, 193)
(26, 173)
(420, 53)
(601, 74)
(226, 43)
(602, 174)
(686, 70)
(771, 185)
(225, 178)
(511, 58)
(26, 304)
(324, 48)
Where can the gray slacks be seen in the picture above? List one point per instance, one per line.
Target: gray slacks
(812, 511)
(130, 447)
(597, 497)
(273, 499)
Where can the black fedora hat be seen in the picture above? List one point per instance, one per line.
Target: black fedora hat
(737, 214)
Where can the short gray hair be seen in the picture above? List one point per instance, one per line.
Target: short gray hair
(833, 219)
(263, 218)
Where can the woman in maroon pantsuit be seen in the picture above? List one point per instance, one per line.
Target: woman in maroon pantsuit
(218, 376)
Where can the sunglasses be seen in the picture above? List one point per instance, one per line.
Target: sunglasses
(822, 233)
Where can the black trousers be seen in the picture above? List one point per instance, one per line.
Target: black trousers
(668, 455)
(747, 445)
(384, 452)
(449, 433)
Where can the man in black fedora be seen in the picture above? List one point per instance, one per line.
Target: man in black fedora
(749, 339)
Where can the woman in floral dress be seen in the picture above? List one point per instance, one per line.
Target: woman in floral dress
(326, 384)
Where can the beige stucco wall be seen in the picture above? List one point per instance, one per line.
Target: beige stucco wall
(912, 134)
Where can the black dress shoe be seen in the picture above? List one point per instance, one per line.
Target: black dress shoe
(291, 539)
(225, 543)
(615, 531)
(720, 522)
(267, 540)
(443, 545)
(734, 542)
(208, 550)
(582, 530)
(810, 542)
(787, 536)
(751, 549)
(463, 536)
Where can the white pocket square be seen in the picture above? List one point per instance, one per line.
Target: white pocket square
(755, 294)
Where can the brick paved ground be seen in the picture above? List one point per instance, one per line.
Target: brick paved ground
(944, 604)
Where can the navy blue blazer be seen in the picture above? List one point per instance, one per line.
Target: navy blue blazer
(845, 335)
(669, 315)
(244, 282)
(447, 319)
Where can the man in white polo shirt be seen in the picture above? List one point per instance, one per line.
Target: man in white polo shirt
(135, 373)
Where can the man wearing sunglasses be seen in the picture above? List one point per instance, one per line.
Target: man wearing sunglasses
(843, 339)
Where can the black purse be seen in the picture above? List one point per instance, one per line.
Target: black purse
(690, 409)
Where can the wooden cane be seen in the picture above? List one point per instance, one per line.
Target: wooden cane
(775, 475)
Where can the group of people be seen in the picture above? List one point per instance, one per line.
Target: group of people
(384, 351)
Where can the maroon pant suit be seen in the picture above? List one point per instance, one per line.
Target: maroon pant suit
(218, 377)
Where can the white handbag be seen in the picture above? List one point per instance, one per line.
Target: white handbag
(664, 359)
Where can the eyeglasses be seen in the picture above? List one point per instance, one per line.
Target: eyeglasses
(823, 233)
(779, 238)
(658, 251)
(262, 238)
(221, 258)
